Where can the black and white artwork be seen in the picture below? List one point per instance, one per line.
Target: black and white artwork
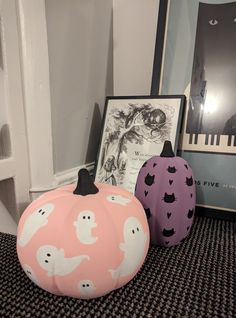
(211, 116)
(135, 129)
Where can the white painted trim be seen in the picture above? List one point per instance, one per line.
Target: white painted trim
(36, 89)
(16, 166)
(7, 168)
(7, 225)
(37, 101)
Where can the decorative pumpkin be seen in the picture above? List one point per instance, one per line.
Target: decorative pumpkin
(83, 242)
(166, 188)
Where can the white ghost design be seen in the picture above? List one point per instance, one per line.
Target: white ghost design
(84, 225)
(118, 199)
(52, 259)
(133, 247)
(30, 273)
(86, 288)
(34, 222)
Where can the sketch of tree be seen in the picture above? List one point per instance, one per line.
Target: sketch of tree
(136, 124)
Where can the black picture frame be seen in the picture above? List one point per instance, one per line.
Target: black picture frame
(134, 129)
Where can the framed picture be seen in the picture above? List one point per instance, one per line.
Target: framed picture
(202, 66)
(134, 129)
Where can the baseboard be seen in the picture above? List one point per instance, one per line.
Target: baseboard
(60, 179)
(71, 176)
(214, 213)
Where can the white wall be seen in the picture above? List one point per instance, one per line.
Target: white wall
(135, 23)
(79, 44)
(91, 56)
(60, 67)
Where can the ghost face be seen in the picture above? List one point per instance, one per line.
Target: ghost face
(134, 247)
(118, 199)
(84, 225)
(86, 218)
(133, 231)
(54, 262)
(45, 210)
(41, 214)
(86, 288)
(47, 256)
(34, 222)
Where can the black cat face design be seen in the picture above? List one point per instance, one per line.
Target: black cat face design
(171, 169)
(190, 213)
(189, 181)
(148, 213)
(168, 232)
(169, 198)
(149, 180)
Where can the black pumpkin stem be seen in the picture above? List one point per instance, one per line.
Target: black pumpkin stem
(85, 184)
(167, 150)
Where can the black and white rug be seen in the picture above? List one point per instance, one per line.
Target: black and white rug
(194, 279)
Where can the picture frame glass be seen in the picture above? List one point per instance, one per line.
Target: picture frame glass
(206, 75)
(134, 130)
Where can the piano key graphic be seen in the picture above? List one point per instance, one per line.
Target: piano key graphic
(210, 142)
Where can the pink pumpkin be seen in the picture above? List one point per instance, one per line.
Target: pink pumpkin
(85, 242)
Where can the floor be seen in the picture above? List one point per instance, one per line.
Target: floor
(195, 279)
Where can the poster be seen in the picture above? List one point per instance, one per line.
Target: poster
(200, 62)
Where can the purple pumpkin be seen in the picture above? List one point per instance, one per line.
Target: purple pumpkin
(165, 186)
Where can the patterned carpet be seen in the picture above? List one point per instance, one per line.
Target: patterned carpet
(194, 279)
